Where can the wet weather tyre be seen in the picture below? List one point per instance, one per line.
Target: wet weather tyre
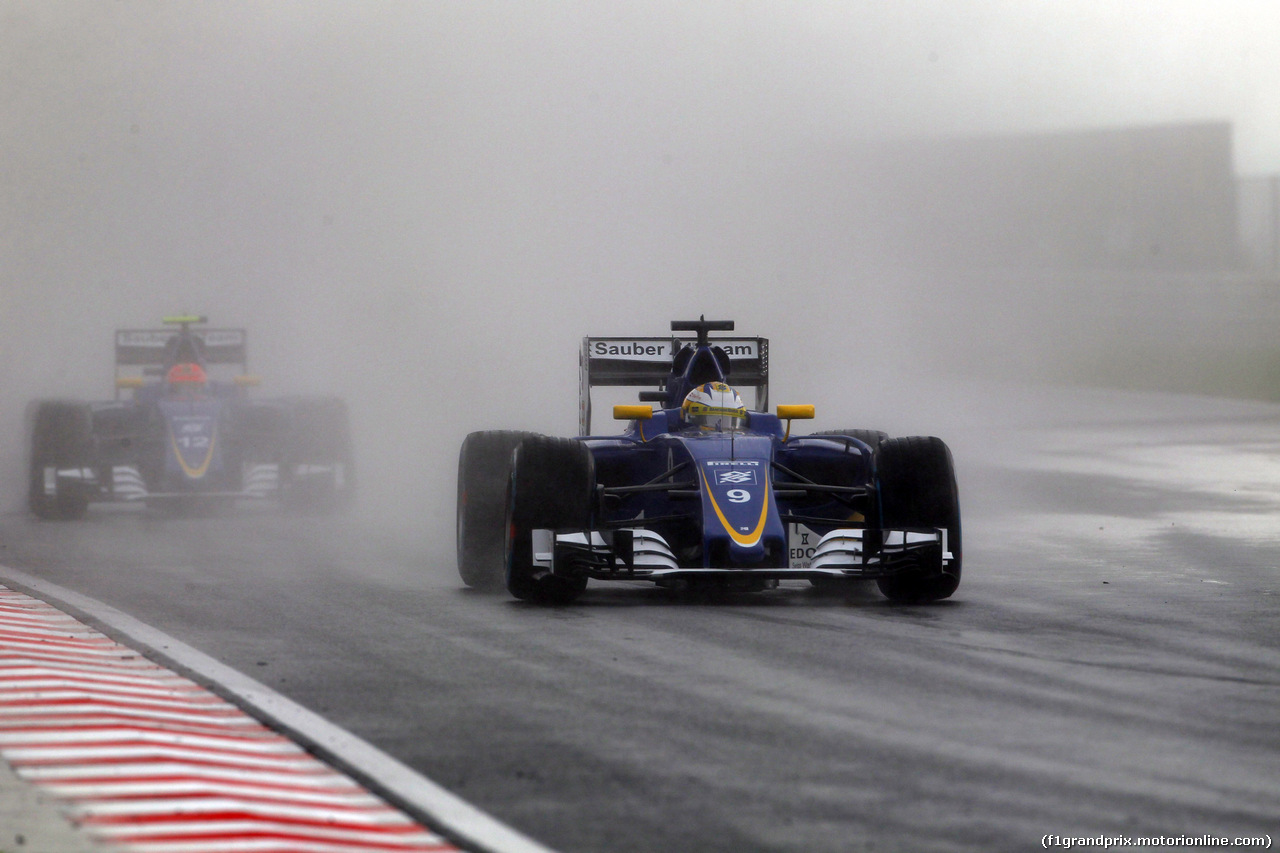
(61, 439)
(918, 489)
(552, 486)
(484, 471)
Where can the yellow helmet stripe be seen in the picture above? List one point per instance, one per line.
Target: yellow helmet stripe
(715, 410)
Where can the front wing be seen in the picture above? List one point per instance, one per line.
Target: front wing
(639, 554)
(125, 483)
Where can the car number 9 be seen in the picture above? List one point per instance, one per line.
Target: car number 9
(738, 496)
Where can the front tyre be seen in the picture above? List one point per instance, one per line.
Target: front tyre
(484, 471)
(918, 489)
(551, 487)
(61, 440)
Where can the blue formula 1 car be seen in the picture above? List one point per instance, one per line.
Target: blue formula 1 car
(183, 432)
(702, 492)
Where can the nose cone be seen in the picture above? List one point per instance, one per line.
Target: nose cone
(740, 522)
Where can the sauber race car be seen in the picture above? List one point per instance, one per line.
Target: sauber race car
(701, 492)
(183, 431)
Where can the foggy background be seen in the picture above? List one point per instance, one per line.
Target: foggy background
(423, 207)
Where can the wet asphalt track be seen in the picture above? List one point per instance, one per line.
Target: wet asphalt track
(1110, 665)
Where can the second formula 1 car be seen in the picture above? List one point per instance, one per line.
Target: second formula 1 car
(701, 491)
(183, 432)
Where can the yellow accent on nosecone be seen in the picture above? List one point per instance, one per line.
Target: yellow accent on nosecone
(199, 471)
(748, 539)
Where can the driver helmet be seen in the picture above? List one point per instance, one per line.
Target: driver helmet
(714, 406)
(186, 378)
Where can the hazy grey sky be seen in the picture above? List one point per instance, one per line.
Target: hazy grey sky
(130, 126)
(258, 158)
(691, 70)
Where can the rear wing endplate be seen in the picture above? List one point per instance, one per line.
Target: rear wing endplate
(646, 362)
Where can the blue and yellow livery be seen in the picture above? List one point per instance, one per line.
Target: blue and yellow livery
(700, 490)
(183, 430)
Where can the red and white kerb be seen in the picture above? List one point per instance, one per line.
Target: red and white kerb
(146, 761)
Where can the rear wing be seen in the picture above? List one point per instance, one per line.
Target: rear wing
(647, 362)
(147, 352)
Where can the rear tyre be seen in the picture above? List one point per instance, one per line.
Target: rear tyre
(918, 489)
(61, 439)
(484, 472)
(552, 484)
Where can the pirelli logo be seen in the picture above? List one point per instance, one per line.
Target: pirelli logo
(734, 472)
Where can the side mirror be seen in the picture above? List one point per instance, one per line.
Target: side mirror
(798, 412)
(632, 413)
